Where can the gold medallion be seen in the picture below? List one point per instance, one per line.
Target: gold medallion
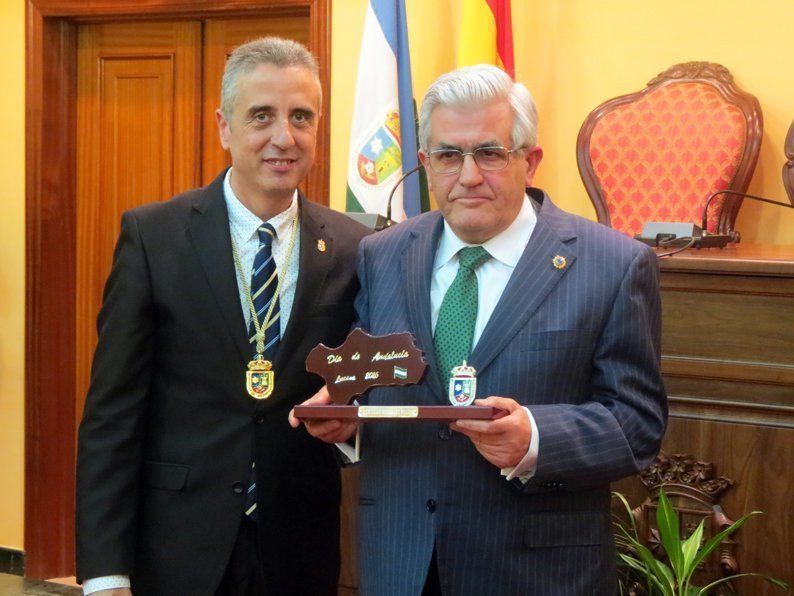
(321, 245)
(259, 378)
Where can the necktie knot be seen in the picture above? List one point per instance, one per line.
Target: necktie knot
(472, 257)
(267, 234)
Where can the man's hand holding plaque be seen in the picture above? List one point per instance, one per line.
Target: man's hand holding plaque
(364, 361)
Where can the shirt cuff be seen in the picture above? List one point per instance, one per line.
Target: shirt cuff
(351, 452)
(106, 582)
(529, 463)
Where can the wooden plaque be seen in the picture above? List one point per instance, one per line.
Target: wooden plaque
(364, 361)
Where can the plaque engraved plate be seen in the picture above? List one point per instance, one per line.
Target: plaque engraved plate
(388, 411)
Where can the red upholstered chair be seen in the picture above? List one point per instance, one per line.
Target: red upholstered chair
(657, 154)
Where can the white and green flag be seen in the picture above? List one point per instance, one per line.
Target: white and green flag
(383, 133)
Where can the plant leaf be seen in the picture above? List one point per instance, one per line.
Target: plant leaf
(660, 573)
(667, 522)
(645, 573)
(689, 551)
(775, 582)
(633, 563)
(627, 507)
(714, 541)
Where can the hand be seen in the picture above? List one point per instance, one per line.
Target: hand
(330, 431)
(503, 442)
(113, 592)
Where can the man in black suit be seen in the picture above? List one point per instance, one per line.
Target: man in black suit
(168, 501)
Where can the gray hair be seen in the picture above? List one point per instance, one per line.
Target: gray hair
(279, 52)
(477, 85)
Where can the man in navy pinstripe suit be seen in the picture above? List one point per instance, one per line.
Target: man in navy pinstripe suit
(566, 339)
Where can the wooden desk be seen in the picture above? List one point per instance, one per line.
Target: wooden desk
(728, 363)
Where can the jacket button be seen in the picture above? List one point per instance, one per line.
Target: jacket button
(238, 487)
(260, 419)
(444, 432)
(431, 505)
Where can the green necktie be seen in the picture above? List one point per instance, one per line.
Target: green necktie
(458, 313)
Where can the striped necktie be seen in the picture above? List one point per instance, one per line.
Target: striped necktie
(264, 281)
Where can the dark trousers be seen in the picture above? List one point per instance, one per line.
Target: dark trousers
(432, 581)
(243, 575)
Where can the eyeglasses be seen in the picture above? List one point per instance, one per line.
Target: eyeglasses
(489, 159)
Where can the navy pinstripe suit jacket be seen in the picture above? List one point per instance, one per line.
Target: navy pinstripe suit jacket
(580, 347)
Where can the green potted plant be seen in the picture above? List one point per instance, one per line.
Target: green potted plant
(684, 556)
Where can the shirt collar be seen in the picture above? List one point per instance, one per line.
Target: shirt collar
(506, 247)
(245, 223)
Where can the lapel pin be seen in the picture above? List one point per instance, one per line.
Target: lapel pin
(321, 245)
(559, 262)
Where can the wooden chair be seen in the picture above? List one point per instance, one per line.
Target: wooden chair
(788, 167)
(657, 154)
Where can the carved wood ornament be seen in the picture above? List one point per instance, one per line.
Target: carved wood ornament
(694, 491)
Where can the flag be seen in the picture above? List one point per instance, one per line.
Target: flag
(383, 133)
(486, 35)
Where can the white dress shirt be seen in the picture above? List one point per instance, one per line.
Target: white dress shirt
(243, 226)
(505, 249)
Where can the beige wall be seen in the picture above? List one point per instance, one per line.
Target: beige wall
(572, 54)
(12, 271)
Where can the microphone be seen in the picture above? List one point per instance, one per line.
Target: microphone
(739, 194)
(376, 221)
(394, 189)
(665, 233)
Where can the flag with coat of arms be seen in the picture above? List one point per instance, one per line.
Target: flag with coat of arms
(383, 133)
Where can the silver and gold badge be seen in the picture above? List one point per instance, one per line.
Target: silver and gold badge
(259, 378)
(462, 385)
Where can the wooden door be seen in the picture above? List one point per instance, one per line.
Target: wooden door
(138, 140)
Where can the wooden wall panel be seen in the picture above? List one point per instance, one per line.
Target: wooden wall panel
(50, 291)
(348, 575)
(138, 141)
(728, 363)
(758, 459)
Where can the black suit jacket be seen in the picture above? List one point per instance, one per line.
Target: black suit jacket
(168, 432)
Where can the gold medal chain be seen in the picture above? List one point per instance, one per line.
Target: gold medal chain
(260, 329)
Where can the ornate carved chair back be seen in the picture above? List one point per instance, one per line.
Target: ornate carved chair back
(657, 154)
(788, 167)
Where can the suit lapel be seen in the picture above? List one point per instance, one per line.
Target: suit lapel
(417, 270)
(209, 232)
(532, 280)
(313, 268)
